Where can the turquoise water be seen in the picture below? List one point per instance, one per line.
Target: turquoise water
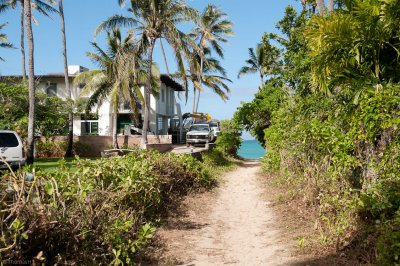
(251, 149)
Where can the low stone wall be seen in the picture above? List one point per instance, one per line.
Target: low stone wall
(92, 146)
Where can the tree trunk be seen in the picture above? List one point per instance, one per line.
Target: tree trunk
(321, 7)
(194, 99)
(31, 73)
(304, 4)
(331, 6)
(165, 58)
(115, 132)
(145, 128)
(23, 41)
(200, 78)
(68, 152)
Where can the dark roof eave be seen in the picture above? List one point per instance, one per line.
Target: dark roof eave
(167, 80)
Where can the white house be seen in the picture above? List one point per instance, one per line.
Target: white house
(162, 107)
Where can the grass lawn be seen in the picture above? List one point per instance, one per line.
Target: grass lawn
(51, 164)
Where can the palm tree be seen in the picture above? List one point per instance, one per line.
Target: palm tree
(212, 28)
(68, 152)
(254, 63)
(118, 77)
(331, 6)
(42, 6)
(321, 6)
(213, 77)
(153, 20)
(4, 43)
(356, 45)
(31, 74)
(265, 60)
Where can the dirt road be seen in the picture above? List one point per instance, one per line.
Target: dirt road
(232, 225)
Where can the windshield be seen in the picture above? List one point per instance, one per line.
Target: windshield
(213, 124)
(199, 128)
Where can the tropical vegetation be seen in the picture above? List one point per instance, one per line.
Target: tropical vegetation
(103, 212)
(329, 121)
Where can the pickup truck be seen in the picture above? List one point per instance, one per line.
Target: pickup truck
(198, 134)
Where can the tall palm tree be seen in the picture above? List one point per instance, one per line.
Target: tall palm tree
(68, 152)
(213, 75)
(321, 6)
(42, 6)
(31, 74)
(153, 20)
(331, 6)
(117, 79)
(4, 43)
(212, 28)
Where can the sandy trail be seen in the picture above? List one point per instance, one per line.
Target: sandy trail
(232, 226)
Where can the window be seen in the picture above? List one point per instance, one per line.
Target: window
(8, 140)
(162, 95)
(51, 90)
(89, 128)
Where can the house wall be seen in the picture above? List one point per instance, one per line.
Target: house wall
(62, 92)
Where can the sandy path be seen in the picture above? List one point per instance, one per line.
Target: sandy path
(232, 226)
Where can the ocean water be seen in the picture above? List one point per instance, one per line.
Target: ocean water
(251, 149)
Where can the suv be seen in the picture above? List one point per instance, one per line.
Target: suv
(215, 129)
(198, 133)
(11, 150)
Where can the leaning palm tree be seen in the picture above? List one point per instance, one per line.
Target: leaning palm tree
(31, 76)
(4, 43)
(118, 78)
(213, 75)
(153, 20)
(212, 28)
(42, 6)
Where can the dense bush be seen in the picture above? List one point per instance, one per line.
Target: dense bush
(229, 139)
(103, 213)
(335, 135)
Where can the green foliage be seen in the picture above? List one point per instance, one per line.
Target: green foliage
(256, 115)
(335, 134)
(110, 204)
(229, 139)
(51, 112)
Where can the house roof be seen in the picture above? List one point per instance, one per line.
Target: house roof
(167, 80)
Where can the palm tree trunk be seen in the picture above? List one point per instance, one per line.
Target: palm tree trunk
(147, 96)
(304, 4)
(321, 7)
(194, 99)
(31, 73)
(330, 6)
(165, 58)
(115, 132)
(23, 41)
(200, 77)
(68, 152)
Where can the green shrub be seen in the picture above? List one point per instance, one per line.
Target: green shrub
(102, 213)
(229, 139)
(50, 149)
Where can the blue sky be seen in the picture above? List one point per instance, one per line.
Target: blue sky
(251, 19)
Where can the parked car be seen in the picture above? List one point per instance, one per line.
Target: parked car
(11, 150)
(198, 134)
(215, 129)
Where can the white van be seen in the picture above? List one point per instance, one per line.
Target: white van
(11, 150)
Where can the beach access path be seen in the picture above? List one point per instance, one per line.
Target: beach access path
(233, 224)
